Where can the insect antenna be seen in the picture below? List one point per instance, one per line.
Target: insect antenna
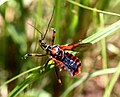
(36, 29)
(49, 23)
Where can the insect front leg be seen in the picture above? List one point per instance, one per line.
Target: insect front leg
(53, 36)
(33, 55)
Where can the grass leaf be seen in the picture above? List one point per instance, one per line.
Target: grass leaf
(102, 33)
(97, 73)
(110, 86)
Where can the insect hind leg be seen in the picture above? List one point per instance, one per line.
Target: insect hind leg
(45, 65)
(69, 46)
(58, 78)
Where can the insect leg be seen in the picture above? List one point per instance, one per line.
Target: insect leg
(45, 65)
(69, 47)
(53, 36)
(33, 55)
(58, 78)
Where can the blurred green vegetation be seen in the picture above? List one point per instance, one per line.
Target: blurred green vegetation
(89, 21)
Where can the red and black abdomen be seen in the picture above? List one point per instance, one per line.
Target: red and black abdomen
(72, 64)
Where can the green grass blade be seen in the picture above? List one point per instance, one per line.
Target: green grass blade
(110, 86)
(57, 19)
(19, 88)
(29, 79)
(103, 45)
(102, 33)
(97, 73)
(93, 9)
(103, 51)
(21, 74)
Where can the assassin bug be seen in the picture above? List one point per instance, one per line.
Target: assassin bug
(57, 53)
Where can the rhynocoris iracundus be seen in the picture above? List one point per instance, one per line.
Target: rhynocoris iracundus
(57, 53)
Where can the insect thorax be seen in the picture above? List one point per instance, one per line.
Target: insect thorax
(57, 53)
